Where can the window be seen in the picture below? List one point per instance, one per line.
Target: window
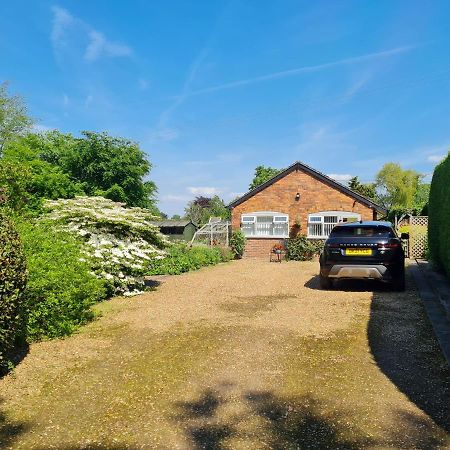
(265, 224)
(320, 224)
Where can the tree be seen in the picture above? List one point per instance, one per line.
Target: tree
(421, 197)
(25, 179)
(14, 119)
(101, 164)
(176, 217)
(263, 174)
(365, 189)
(199, 210)
(397, 187)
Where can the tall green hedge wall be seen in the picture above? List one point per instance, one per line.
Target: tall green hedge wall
(13, 278)
(439, 216)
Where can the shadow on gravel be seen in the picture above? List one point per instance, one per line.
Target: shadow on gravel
(9, 431)
(301, 422)
(196, 418)
(350, 285)
(287, 423)
(404, 347)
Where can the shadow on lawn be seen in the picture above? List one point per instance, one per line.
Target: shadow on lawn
(9, 431)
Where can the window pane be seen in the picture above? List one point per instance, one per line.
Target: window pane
(264, 226)
(248, 229)
(315, 229)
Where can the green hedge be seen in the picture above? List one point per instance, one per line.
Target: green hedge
(300, 248)
(182, 259)
(12, 284)
(439, 216)
(61, 287)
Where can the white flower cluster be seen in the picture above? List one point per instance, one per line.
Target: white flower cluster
(119, 241)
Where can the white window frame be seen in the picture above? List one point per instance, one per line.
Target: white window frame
(249, 224)
(319, 229)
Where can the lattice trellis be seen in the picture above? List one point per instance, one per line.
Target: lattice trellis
(418, 236)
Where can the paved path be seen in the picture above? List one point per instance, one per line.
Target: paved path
(434, 290)
(242, 355)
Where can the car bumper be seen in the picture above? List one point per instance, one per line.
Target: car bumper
(369, 271)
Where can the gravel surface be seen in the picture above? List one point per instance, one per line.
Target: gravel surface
(248, 354)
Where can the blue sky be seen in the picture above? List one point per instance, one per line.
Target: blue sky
(211, 89)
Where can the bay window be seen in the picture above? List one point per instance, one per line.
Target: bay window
(320, 224)
(265, 224)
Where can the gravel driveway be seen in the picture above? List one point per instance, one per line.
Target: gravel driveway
(248, 354)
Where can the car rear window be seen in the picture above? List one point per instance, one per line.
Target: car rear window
(363, 231)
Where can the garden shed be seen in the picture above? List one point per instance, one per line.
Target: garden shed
(177, 229)
(299, 200)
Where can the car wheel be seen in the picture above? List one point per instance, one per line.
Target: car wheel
(398, 283)
(325, 282)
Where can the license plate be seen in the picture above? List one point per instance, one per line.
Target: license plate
(358, 252)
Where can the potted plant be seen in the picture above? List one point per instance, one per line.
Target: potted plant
(277, 248)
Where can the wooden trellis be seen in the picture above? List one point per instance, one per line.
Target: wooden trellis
(418, 236)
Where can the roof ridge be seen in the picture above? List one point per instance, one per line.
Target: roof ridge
(319, 174)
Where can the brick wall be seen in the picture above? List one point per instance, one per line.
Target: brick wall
(315, 195)
(260, 248)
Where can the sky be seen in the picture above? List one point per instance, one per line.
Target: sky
(211, 89)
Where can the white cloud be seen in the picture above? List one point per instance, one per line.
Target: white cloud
(99, 46)
(435, 158)
(176, 198)
(62, 20)
(306, 69)
(65, 26)
(204, 190)
(164, 135)
(340, 176)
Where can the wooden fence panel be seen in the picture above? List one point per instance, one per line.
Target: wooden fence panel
(418, 236)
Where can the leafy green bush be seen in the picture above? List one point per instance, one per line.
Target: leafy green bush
(237, 243)
(182, 258)
(12, 285)
(300, 249)
(61, 287)
(439, 216)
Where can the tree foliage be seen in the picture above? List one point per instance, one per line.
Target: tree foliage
(263, 174)
(365, 189)
(396, 187)
(14, 119)
(62, 166)
(199, 210)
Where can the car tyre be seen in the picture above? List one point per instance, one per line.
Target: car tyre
(325, 282)
(398, 283)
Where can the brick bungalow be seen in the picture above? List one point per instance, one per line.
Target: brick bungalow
(299, 200)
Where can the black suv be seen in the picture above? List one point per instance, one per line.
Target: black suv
(367, 250)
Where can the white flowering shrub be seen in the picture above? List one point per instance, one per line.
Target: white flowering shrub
(121, 242)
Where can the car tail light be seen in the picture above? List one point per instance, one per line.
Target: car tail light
(390, 245)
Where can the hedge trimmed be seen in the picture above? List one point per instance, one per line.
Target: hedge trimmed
(439, 216)
(13, 277)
